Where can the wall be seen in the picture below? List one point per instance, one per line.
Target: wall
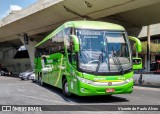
(31, 50)
(16, 65)
(7, 52)
(147, 79)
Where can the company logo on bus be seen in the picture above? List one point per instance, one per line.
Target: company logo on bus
(109, 83)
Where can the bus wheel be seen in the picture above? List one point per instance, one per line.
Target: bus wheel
(65, 88)
(40, 81)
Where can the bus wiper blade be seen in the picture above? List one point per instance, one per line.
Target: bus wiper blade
(99, 62)
(117, 61)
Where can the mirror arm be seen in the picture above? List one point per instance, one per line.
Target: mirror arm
(75, 42)
(138, 43)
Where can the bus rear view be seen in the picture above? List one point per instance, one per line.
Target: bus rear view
(96, 60)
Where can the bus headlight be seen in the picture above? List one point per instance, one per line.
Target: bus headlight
(129, 79)
(85, 80)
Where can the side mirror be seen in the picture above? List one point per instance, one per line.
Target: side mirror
(75, 43)
(137, 63)
(138, 43)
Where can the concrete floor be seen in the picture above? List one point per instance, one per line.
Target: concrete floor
(13, 91)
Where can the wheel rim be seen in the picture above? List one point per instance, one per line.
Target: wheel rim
(66, 87)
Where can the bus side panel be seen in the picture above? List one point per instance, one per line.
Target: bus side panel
(70, 73)
(55, 75)
(61, 71)
(72, 82)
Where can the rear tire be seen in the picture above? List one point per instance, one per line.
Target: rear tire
(65, 88)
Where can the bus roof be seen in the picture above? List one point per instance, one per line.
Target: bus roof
(85, 25)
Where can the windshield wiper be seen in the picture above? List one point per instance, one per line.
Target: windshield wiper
(99, 62)
(117, 61)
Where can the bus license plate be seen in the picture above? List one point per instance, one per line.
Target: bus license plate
(108, 90)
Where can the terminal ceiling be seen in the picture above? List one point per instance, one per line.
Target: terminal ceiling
(41, 18)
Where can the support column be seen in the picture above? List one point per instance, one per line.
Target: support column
(148, 48)
(1, 54)
(30, 48)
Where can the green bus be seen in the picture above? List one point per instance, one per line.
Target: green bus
(86, 58)
(137, 63)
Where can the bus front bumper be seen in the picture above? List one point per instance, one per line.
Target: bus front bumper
(90, 90)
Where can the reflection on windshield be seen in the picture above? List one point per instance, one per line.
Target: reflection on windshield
(94, 43)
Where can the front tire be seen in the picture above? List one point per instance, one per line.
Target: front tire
(65, 88)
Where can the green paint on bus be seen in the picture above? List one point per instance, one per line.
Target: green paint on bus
(86, 58)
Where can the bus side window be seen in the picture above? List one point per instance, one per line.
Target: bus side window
(60, 47)
(40, 52)
(46, 51)
(43, 51)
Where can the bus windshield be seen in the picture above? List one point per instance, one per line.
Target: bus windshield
(103, 51)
